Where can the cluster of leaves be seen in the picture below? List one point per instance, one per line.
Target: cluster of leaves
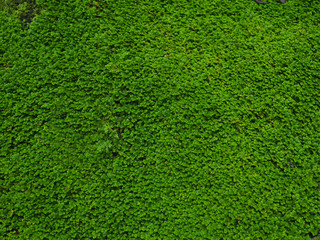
(24, 10)
(161, 120)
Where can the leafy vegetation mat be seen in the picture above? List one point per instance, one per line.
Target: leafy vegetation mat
(161, 120)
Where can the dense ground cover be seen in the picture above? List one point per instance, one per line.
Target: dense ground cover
(160, 120)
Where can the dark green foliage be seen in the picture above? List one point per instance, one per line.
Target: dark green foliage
(160, 120)
(25, 10)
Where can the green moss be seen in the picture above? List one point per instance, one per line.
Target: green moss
(24, 10)
(160, 120)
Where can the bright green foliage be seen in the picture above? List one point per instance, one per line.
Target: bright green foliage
(161, 120)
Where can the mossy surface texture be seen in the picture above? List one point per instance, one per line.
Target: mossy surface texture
(160, 120)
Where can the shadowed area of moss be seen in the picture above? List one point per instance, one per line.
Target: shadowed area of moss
(25, 10)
